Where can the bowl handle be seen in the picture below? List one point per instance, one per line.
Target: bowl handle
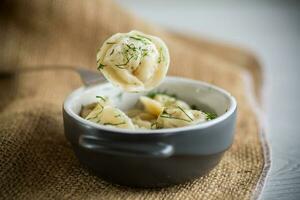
(100, 145)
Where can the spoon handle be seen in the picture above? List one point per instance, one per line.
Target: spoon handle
(88, 77)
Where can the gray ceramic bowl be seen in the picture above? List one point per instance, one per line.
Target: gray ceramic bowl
(152, 158)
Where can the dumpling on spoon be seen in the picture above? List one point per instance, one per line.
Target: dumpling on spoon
(134, 61)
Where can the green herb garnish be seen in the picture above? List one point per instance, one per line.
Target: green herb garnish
(112, 124)
(161, 56)
(124, 64)
(144, 37)
(210, 115)
(101, 66)
(171, 117)
(165, 114)
(100, 97)
(131, 46)
(110, 43)
(112, 52)
(144, 52)
(185, 113)
(136, 38)
(151, 94)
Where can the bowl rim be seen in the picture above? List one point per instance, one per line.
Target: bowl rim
(232, 108)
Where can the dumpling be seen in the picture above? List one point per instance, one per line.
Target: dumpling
(178, 117)
(141, 123)
(141, 119)
(134, 61)
(87, 109)
(170, 102)
(156, 104)
(151, 106)
(110, 116)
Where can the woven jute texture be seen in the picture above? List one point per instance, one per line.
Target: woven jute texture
(37, 162)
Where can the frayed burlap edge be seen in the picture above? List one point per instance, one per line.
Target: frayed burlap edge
(259, 112)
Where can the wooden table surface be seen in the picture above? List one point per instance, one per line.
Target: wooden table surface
(272, 30)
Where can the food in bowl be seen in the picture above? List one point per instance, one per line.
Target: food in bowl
(157, 110)
(134, 61)
(111, 130)
(137, 62)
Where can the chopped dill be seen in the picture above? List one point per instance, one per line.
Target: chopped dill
(165, 114)
(100, 97)
(161, 56)
(119, 65)
(110, 43)
(151, 94)
(141, 38)
(136, 38)
(210, 115)
(171, 117)
(144, 37)
(144, 52)
(131, 46)
(185, 113)
(101, 66)
(112, 52)
(114, 124)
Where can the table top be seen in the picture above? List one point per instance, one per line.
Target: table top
(271, 29)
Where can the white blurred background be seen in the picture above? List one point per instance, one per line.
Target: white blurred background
(271, 29)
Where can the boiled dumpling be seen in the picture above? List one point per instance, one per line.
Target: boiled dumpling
(151, 106)
(101, 102)
(170, 102)
(141, 123)
(86, 110)
(110, 116)
(178, 117)
(142, 119)
(134, 61)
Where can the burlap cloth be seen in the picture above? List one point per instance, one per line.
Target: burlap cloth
(37, 162)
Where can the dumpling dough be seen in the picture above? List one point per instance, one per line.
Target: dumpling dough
(171, 102)
(178, 117)
(134, 61)
(156, 104)
(106, 114)
(151, 106)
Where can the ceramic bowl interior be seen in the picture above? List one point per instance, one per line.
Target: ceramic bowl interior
(203, 95)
